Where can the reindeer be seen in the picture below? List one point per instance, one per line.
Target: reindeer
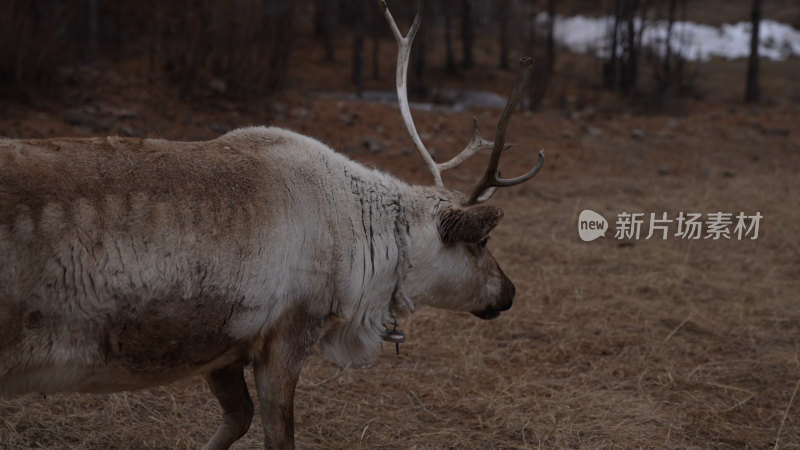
(128, 263)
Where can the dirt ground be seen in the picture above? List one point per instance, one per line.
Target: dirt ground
(610, 344)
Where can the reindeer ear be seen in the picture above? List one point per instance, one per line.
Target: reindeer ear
(468, 224)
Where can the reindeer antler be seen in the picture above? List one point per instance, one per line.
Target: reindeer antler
(491, 179)
(403, 52)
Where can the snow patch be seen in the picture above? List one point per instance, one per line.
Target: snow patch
(777, 41)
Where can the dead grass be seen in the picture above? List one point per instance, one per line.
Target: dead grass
(651, 344)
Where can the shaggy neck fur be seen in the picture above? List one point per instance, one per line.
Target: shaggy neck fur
(374, 276)
(365, 219)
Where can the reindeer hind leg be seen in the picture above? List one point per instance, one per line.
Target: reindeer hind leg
(229, 387)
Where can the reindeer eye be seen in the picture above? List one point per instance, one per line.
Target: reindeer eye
(482, 243)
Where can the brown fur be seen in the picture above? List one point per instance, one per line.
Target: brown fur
(277, 369)
(124, 180)
(228, 386)
(11, 322)
(154, 341)
(470, 224)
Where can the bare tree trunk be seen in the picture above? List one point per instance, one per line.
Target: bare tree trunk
(92, 36)
(645, 6)
(375, 32)
(154, 40)
(118, 30)
(449, 64)
(667, 69)
(376, 66)
(752, 93)
(419, 57)
(503, 24)
(61, 30)
(542, 80)
(358, 46)
(467, 36)
(323, 26)
(279, 62)
(630, 60)
(551, 42)
(611, 67)
(530, 47)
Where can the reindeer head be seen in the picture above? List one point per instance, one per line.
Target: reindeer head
(452, 266)
(453, 269)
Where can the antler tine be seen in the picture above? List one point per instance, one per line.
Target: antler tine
(485, 188)
(403, 53)
(477, 144)
(491, 179)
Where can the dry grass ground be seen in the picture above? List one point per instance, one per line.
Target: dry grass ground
(676, 343)
(610, 344)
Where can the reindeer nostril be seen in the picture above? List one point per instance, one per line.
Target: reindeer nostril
(510, 292)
